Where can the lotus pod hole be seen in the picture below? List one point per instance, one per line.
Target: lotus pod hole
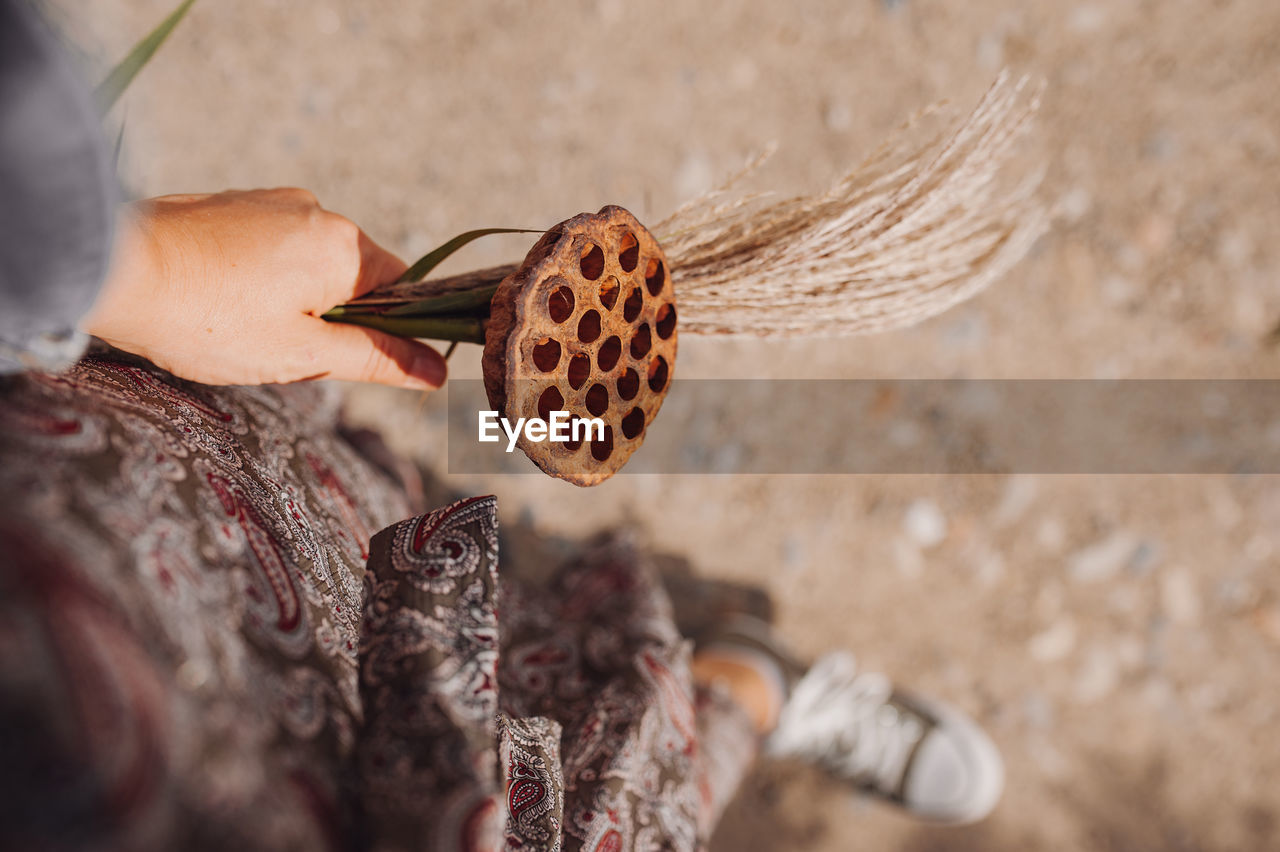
(610, 351)
(609, 293)
(628, 252)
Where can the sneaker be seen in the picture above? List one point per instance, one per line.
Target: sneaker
(923, 755)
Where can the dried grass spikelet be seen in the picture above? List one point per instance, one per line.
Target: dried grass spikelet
(905, 236)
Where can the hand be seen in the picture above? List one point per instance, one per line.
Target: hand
(229, 289)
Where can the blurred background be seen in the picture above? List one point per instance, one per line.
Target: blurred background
(1119, 636)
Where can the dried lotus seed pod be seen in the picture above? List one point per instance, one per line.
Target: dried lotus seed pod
(586, 325)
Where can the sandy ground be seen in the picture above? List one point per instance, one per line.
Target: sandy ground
(1118, 635)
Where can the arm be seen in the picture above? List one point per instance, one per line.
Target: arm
(57, 196)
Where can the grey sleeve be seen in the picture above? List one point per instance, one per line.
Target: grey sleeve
(57, 196)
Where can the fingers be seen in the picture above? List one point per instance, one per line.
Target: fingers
(357, 263)
(377, 266)
(356, 354)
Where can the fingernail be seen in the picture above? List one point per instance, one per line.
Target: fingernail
(427, 372)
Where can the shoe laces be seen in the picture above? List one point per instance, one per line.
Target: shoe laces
(843, 720)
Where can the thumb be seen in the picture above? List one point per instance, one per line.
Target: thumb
(357, 354)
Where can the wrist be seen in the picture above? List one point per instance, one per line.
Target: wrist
(136, 270)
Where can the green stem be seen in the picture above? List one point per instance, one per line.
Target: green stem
(461, 302)
(355, 309)
(458, 329)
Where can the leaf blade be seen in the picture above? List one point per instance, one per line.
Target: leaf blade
(435, 257)
(119, 78)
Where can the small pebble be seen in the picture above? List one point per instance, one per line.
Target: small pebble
(1101, 560)
(1179, 598)
(990, 52)
(1259, 548)
(1097, 677)
(1087, 19)
(1119, 290)
(1051, 535)
(925, 524)
(1161, 145)
(1143, 559)
(1236, 594)
(1075, 205)
(1208, 697)
(1054, 643)
(1223, 505)
(838, 117)
(1235, 248)
(1157, 629)
(328, 21)
(1019, 492)
(609, 11)
(793, 555)
(990, 567)
(968, 330)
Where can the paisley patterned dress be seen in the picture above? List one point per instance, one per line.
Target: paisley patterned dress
(206, 643)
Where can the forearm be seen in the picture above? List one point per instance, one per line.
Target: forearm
(57, 195)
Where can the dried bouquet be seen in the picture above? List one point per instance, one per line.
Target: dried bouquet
(587, 323)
